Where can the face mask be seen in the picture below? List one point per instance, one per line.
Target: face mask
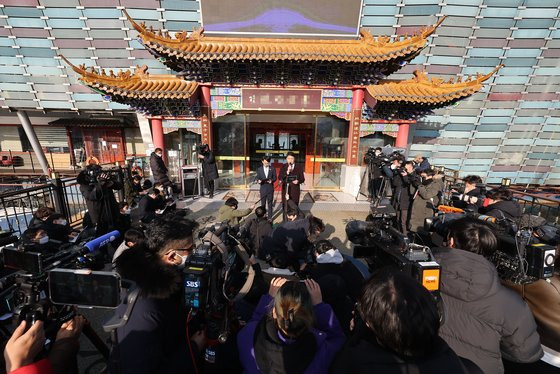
(126, 211)
(44, 240)
(183, 261)
(62, 222)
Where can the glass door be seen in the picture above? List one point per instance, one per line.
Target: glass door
(189, 143)
(331, 139)
(276, 140)
(229, 147)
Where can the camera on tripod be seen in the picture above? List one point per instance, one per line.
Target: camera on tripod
(373, 159)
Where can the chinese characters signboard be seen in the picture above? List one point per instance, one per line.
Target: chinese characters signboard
(280, 99)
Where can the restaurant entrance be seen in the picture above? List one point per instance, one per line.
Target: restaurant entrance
(319, 143)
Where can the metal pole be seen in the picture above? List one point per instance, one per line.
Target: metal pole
(52, 161)
(13, 163)
(31, 160)
(26, 124)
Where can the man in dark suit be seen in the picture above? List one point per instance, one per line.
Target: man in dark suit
(291, 176)
(266, 176)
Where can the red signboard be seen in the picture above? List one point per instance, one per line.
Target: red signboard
(280, 99)
(354, 134)
(205, 129)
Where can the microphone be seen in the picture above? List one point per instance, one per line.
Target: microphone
(96, 243)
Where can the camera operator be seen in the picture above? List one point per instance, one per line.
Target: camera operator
(426, 198)
(209, 168)
(400, 176)
(124, 216)
(404, 207)
(281, 337)
(153, 340)
(37, 240)
(327, 260)
(471, 197)
(340, 280)
(374, 160)
(159, 170)
(132, 237)
(230, 214)
(257, 229)
(289, 242)
(395, 330)
(40, 217)
(97, 188)
(148, 206)
(501, 204)
(59, 229)
(421, 163)
(484, 320)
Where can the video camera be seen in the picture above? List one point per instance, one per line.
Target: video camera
(202, 148)
(216, 274)
(382, 159)
(461, 196)
(375, 160)
(96, 174)
(48, 287)
(519, 258)
(32, 286)
(382, 245)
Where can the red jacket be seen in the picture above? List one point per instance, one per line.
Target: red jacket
(39, 367)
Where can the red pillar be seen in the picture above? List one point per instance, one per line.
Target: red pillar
(157, 135)
(402, 136)
(206, 116)
(355, 122)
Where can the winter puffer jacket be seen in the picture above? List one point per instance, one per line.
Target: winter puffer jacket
(484, 321)
(505, 209)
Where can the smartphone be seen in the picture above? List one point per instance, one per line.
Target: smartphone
(86, 288)
(31, 262)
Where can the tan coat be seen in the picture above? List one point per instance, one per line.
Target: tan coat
(424, 202)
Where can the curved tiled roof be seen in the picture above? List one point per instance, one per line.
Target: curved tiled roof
(137, 85)
(367, 49)
(427, 92)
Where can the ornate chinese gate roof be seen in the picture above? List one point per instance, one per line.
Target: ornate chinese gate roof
(197, 58)
(151, 94)
(282, 61)
(420, 95)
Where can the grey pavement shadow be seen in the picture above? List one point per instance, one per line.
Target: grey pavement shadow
(329, 230)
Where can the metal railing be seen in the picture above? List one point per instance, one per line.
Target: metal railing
(535, 204)
(17, 207)
(546, 208)
(61, 194)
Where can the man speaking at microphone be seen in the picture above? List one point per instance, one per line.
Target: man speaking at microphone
(291, 176)
(266, 176)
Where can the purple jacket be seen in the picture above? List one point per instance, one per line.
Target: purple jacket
(329, 335)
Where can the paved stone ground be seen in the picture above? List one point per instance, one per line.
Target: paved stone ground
(336, 210)
(336, 213)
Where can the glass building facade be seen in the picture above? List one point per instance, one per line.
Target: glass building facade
(511, 129)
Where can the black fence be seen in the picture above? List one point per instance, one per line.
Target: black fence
(535, 204)
(62, 194)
